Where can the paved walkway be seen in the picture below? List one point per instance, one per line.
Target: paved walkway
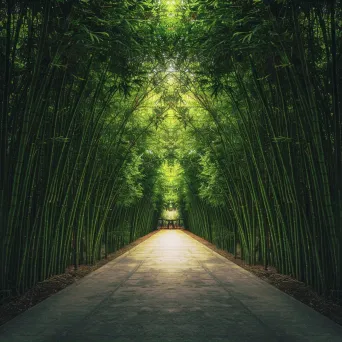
(170, 288)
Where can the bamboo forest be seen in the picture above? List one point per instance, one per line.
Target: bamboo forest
(224, 114)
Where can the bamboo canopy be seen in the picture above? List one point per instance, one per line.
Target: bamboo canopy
(113, 111)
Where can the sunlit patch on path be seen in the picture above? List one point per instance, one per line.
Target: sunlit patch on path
(170, 288)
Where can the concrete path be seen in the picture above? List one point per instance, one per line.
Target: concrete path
(170, 288)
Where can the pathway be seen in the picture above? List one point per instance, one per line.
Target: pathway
(170, 288)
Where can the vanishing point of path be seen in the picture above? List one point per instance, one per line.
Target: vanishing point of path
(170, 288)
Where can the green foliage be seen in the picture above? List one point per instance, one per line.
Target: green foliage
(260, 71)
(211, 181)
(113, 111)
(130, 185)
(74, 76)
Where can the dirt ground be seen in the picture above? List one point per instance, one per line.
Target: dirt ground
(287, 284)
(291, 286)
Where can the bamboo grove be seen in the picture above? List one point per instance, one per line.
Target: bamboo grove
(75, 178)
(268, 76)
(113, 111)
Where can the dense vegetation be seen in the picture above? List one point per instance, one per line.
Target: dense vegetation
(268, 75)
(112, 111)
(75, 174)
